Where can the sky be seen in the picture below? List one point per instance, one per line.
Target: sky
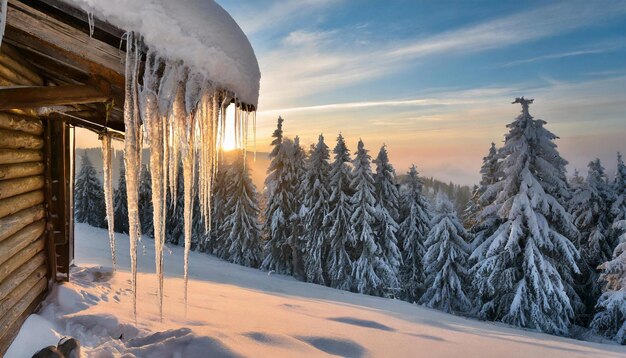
(434, 80)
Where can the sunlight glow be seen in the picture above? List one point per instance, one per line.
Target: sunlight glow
(229, 143)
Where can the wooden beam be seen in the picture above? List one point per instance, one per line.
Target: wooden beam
(21, 258)
(14, 329)
(16, 242)
(44, 96)
(22, 273)
(18, 140)
(14, 156)
(16, 222)
(40, 25)
(17, 122)
(20, 170)
(20, 291)
(20, 202)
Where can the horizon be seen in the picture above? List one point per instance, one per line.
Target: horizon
(435, 83)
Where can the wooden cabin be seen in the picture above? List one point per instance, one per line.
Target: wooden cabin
(50, 58)
(62, 68)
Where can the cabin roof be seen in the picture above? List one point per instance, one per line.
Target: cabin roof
(58, 41)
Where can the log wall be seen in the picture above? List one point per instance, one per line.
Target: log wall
(24, 249)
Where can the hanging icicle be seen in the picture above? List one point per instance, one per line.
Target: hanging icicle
(188, 177)
(184, 118)
(3, 18)
(132, 153)
(108, 191)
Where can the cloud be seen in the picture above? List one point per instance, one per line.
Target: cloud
(556, 56)
(525, 26)
(307, 63)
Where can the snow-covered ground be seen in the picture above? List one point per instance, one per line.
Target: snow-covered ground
(237, 311)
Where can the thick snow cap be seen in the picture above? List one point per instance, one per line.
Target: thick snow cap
(198, 32)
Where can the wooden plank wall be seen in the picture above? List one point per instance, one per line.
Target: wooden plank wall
(24, 251)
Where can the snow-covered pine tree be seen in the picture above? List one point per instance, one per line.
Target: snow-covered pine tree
(241, 227)
(120, 202)
(445, 262)
(337, 222)
(610, 319)
(316, 194)
(412, 234)
(576, 181)
(386, 222)
(590, 209)
(525, 277)
(489, 174)
(89, 195)
(618, 206)
(223, 205)
(280, 187)
(296, 220)
(174, 211)
(366, 264)
(472, 209)
(145, 202)
(215, 239)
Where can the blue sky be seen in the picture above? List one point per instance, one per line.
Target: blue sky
(434, 79)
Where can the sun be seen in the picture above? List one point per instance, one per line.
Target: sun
(229, 143)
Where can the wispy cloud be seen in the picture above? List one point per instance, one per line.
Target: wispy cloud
(307, 62)
(555, 56)
(369, 104)
(525, 26)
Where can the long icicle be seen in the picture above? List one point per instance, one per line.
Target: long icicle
(108, 192)
(188, 177)
(132, 152)
(155, 128)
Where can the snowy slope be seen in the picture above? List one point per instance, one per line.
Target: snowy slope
(237, 311)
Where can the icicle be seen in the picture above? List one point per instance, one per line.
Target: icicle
(155, 127)
(254, 132)
(188, 173)
(91, 23)
(3, 18)
(108, 191)
(132, 154)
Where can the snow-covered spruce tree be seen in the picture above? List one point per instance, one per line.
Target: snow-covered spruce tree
(590, 209)
(296, 221)
(412, 234)
(489, 174)
(316, 194)
(145, 202)
(280, 187)
(89, 195)
(618, 206)
(445, 262)
(386, 222)
(174, 212)
(576, 181)
(525, 276)
(337, 222)
(367, 262)
(215, 239)
(610, 319)
(120, 202)
(223, 205)
(241, 225)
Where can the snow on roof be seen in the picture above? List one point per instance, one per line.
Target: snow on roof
(198, 32)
